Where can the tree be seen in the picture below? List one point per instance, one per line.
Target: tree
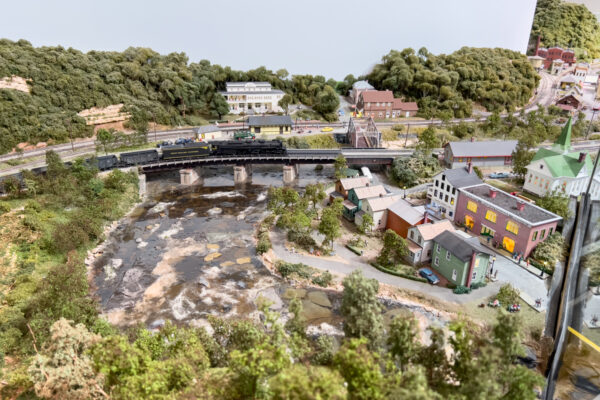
(592, 262)
(394, 249)
(339, 165)
(218, 105)
(433, 359)
(551, 250)
(361, 308)
(64, 370)
(306, 382)
(366, 224)
(359, 368)
(402, 342)
(316, 193)
(428, 140)
(329, 226)
(285, 102)
(521, 157)
(478, 172)
(106, 138)
(556, 202)
(327, 101)
(282, 73)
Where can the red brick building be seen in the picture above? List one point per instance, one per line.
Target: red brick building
(381, 104)
(556, 53)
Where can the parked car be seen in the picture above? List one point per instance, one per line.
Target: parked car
(429, 275)
(499, 175)
(596, 108)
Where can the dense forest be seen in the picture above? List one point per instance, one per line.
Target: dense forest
(54, 344)
(567, 25)
(449, 85)
(166, 88)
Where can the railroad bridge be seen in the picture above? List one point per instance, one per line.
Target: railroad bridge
(190, 169)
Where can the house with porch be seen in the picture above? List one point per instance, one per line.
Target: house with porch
(377, 208)
(463, 261)
(402, 216)
(357, 196)
(342, 186)
(420, 240)
(504, 220)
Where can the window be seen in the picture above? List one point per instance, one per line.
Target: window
(454, 275)
(412, 234)
(443, 177)
(542, 234)
(437, 248)
(472, 206)
(420, 240)
(450, 213)
(534, 237)
(474, 275)
(446, 198)
(452, 201)
(437, 183)
(435, 192)
(447, 255)
(453, 190)
(428, 253)
(550, 231)
(512, 227)
(442, 186)
(436, 262)
(490, 216)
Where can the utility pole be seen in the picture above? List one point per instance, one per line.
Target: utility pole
(591, 122)
(406, 139)
(68, 122)
(154, 122)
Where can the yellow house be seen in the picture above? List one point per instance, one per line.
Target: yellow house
(270, 124)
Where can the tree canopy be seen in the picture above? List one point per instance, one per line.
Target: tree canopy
(494, 78)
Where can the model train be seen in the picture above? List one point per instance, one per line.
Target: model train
(183, 151)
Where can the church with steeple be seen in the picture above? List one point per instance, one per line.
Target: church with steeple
(560, 169)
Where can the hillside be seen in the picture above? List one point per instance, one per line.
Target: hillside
(448, 85)
(567, 25)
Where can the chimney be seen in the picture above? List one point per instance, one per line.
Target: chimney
(425, 217)
(582, 157)
(493, 193)
(470, 167)
(520, 205)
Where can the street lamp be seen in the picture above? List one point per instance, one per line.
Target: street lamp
(404, 187)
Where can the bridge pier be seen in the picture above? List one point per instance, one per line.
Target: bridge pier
(242, 173)
(290, 173)
(142, 185)
(189, 176)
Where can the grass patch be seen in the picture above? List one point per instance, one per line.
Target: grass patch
(532, 320)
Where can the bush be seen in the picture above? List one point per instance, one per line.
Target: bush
(508, 294)
(460, 289)
(389, 135)
(69, 237)
(323, 280)
(286, 269)
(319, 167)
(32, 207)
(32, 221)
(302, 239)
(400, 274)
(264, 243)
(354, 249)
(4, 208)
(478, 285)
(324, 350)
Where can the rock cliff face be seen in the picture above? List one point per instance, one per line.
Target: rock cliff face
(16, 83)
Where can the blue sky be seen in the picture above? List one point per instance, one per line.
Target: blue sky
(327, 37)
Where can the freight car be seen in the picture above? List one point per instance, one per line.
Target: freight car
(138, 157)
(248, 148)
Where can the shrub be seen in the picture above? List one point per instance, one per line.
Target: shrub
(32, 207)
(68, 237)
(4, 208)
(264, 243)
(319, 167)
(508, 294)
(478, 285)
(324, 350)
(302, 239)
(32, 221)
(323, 280)
(286, 269)
(460, 289)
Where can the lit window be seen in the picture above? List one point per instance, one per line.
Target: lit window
(447, 255)
(472, 206)
(512, 227)
(452, 201)
(490, 216)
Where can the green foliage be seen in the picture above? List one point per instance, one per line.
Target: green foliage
(359, 368)
(402, 340)
(556, 202)
(361, 308)
(287, 269)
(413, 170)
(329, 226)
(366, 224)
(507, 294)
(394, 249)
(428, 141)
(551, 250)
(324, 350)
(478, 172)
(306, 382)
(461, 290)
(478, 285)
(4, 208)
(445, 85)
(339, 165)
(566, 24)
(323, 280)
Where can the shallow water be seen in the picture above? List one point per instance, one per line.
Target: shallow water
(188, 252)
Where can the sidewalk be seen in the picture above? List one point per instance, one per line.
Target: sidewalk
(523, 264)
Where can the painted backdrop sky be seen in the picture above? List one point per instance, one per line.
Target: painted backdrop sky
(327, 37)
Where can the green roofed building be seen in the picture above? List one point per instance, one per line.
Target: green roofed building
(559, 168)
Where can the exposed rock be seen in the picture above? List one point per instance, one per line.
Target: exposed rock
(323, 329)
(214, 211)
(212, 256)
(138, 240)
(157, 324)
(111, 268)
(241, 285)
(319, 298)
(227, 264)
(212, 246)
(131, 286)
(202, 281)
(271, 295)
(243, 260)
(290, 293)
(312, 311)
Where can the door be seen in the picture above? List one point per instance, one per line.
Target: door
(508, 244)
(469, 221)
(281, 130)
